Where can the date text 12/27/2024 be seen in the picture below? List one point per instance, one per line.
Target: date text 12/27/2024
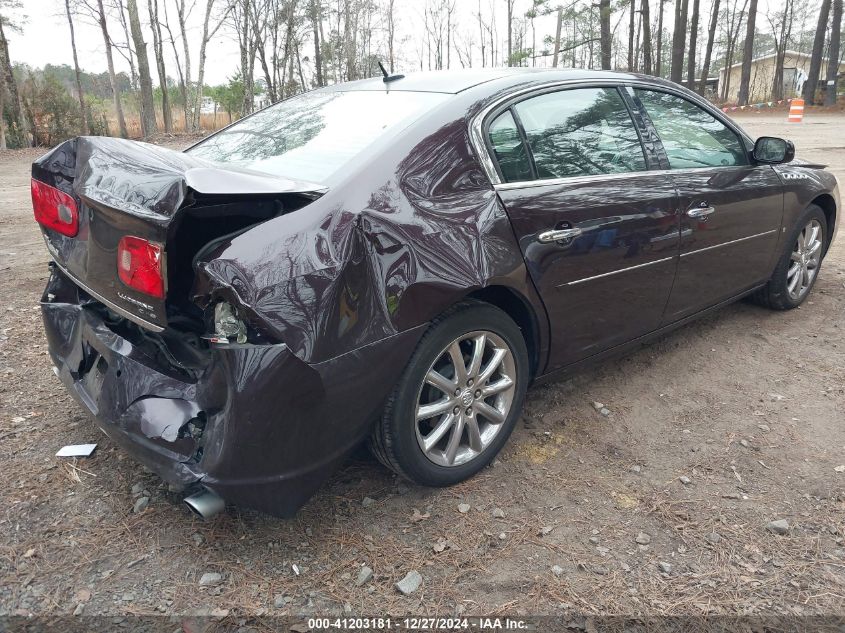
(418, 624)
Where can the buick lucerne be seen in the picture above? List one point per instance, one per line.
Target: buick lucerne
(395, 260)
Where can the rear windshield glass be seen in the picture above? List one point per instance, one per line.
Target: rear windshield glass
(311, 136)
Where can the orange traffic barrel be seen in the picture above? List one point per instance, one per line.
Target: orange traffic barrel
(796, 111)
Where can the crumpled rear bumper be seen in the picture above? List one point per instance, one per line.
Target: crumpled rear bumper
(256, 424)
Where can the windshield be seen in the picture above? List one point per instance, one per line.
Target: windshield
(311, 136)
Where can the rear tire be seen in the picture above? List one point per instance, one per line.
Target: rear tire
(473, 408)
(798, 267)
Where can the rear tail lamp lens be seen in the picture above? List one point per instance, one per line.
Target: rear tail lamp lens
(54, 209)
(139, 265)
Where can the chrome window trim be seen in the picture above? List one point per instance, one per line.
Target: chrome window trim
(616, 272)
(575, 180)
(479, 144)
(741, 239)
(112, 306)
(570, 180)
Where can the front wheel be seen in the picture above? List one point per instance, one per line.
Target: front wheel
(458, 399)
(798, 267)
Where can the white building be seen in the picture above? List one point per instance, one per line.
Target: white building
(796, 66)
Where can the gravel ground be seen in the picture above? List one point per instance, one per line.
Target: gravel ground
(661, 507)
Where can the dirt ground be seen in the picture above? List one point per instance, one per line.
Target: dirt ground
(748, 404)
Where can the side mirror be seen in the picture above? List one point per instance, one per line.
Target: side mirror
(773, 151)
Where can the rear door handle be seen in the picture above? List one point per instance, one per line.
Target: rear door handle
(559, 235)
(700, 212)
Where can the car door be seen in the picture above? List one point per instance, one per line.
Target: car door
(598, 230)
(731, 209)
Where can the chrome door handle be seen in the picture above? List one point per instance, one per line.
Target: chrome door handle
(559, 235)
(700, 212)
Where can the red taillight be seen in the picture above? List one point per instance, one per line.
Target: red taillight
(54, 209)
(139, 265)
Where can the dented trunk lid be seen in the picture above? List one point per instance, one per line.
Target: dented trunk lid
(131, 188)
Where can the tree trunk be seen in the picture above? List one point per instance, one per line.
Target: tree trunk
(557, 37)
(148, 111)
(833, 54)
(448, 38)
(290, 63)
(261, 49)
(246, 69)
(638, 41)
(658, 63)
(679, 39)
(604, 18)
(158, 51)
(318, 54)
(391, 31)
(481, 36)
(348, 55)
(121, 122)
(510, 31)
(708, 51)
(733, 33)
(491, 31)
(129, 56)
(206, 38)
(85, 125)
(693, 43)
(2, 109)
(299, 66)
(182, 89)
(780, 49)
(646, 15)
(353, 49)
(631, 25)
(12, 88)
(747, 55)
(816, 58)
(186, 88)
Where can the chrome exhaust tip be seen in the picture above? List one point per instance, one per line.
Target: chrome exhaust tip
(205, 503)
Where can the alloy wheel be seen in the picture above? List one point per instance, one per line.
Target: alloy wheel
(465, 398)
(804, 261)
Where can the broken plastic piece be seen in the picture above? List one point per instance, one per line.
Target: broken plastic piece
(76, 450)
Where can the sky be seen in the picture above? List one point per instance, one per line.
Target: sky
(45, 36)
(45, 39)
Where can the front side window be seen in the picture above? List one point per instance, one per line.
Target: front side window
(691, 136)
(311, 136)
(580, 132)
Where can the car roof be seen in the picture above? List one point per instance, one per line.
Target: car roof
(455, 81)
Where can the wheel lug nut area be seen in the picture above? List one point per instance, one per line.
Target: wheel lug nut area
(469, 411)
(478, 393)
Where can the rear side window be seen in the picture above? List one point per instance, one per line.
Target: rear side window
(580, 132)
(691, 136)
(509, 149)
(311, 136)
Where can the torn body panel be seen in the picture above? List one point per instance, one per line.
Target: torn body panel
(382, 255)
(268, 428)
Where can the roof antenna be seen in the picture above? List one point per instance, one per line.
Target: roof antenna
(388, 77)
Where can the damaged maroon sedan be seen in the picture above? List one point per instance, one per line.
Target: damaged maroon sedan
(395, 261)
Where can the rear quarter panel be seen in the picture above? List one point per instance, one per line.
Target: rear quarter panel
(413, 228)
